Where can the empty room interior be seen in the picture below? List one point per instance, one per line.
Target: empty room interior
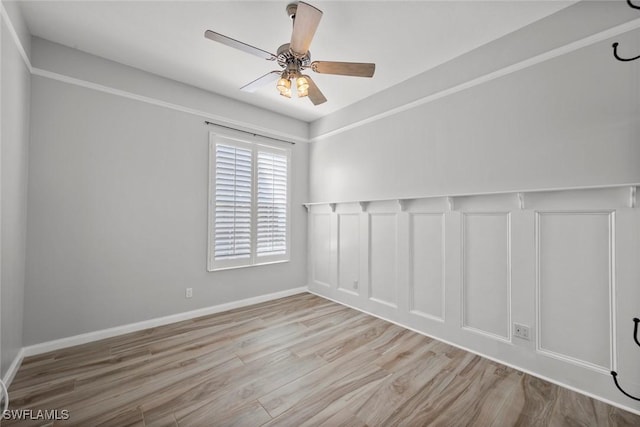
(338, 213)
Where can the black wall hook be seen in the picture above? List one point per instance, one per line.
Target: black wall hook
(615, 53)
(614, 374)
(615, 45)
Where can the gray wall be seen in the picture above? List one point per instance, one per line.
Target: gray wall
(58, 61)
(566, 122)
(117, 225)
(14, 143)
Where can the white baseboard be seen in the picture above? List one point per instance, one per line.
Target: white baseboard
(58, 344)
(502, 362)
(13, 368)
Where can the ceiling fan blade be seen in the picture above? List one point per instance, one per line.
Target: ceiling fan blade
(356, 69)
(261, 81)
(314, 93)
(216, 37)
(305, 24)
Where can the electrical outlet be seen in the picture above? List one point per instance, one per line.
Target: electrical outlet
(188, 293)
(521, 331)
(355, 284)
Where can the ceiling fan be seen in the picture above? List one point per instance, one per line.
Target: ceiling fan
(294, 57)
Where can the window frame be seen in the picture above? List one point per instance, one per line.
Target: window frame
(256, 145)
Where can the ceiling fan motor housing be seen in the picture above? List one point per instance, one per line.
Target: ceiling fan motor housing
(288, 61)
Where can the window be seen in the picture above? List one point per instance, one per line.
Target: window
(248, 203)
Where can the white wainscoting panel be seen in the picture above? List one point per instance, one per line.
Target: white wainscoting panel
(348, 252)
(464, 268)
(383, 254)
(486, 273)
(321, 248)
(426, 280)
(576, 287)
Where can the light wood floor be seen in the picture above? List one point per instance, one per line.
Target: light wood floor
(296, 361)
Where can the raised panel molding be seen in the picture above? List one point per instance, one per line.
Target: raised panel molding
(383, 236)
(426, 265)
(486, 273)
(349, 252)
(547, 259)
(321, 249)
(575, 287)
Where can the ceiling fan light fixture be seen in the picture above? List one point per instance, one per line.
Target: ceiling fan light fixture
(284, 84)
(286, 93)
(302, 85)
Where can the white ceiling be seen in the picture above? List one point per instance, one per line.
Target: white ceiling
(403, 38)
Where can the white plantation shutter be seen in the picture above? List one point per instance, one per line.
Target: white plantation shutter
(249, 204)
(232, 224)
(271, 233)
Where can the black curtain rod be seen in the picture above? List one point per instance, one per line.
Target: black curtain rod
(206, 122)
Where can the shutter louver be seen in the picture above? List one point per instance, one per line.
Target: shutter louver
(271, 204)
(233, 181)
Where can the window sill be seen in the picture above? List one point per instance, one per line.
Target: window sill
(236, 267)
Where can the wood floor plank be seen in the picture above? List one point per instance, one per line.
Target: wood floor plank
(399, 387)
(129, 418)
(312, 330)
(193, 332)
(429, 402)
(325, 339)
(325, 402)
(509, 413)
(331, 315)
(411, 347)
(478, 403)
(285, 397)
(296, 361)
(41, 392)
(93, 390)
(573, 409)
(251, 414)
(390, 338)
(244, 384)
(269, 341)
(350, 342)
(344, 418)
(69, 367)
(159, 388)
(168, 420)
(539, 398)
(154, 365)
